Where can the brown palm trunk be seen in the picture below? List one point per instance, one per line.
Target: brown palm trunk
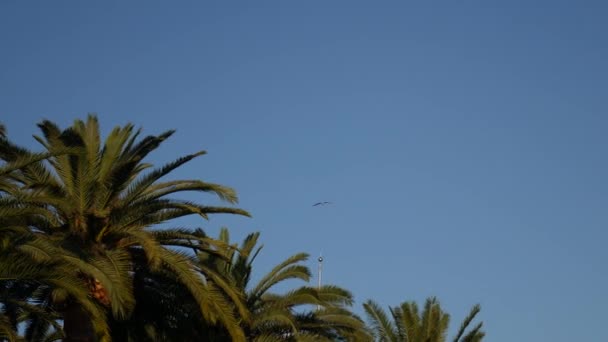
(77, 325)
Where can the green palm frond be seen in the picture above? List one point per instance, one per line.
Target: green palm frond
(476, 331)
(287, 269)
(116, 267)
(475, 335)
(303, 295)
(224, 283)
(6, 330)
(120, 139)
(334, 323)
(213, 305)
(39, 250)
(434, 322)
(275, 317)
(409, 321)
(382, 327)
(335, 296)
(147, 185)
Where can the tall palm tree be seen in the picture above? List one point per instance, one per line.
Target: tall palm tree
(407, 324)
(287, 316)
(95, 204)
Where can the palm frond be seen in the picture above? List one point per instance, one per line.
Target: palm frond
(283, 271)
(382, 327)
(475, 335)
(6, 330)
(466, 322)
(410, 321)
(213, 305)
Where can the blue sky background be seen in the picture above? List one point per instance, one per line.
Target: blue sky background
(463, 143)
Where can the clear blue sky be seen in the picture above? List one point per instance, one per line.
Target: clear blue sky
(463, 143)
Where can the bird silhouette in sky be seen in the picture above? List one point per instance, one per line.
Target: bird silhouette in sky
(320, 203)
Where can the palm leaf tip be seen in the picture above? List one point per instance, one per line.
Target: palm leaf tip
(243, 213)
(381, 325)
(475, 332)
(199, 153)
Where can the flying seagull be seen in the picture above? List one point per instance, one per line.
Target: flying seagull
(320, 203)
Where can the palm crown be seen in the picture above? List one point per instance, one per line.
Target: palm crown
(287, 316)
(93, 203)
(408, 324)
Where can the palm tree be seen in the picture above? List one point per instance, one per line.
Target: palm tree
(96, 206)
(288, 316)
(410, 325)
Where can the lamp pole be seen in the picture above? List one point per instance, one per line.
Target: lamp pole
(320, 276)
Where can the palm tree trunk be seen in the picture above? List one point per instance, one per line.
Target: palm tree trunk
(77, 325)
